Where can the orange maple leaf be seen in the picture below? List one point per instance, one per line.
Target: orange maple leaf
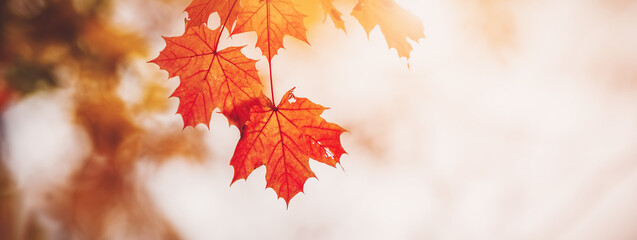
(210, 79)
(337, 16)
(284, 138)
(199, 11)
(396, 23)
(272, 20)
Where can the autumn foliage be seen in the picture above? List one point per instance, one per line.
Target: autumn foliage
(282, 136)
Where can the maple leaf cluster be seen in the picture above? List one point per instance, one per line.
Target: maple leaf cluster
(282, 137)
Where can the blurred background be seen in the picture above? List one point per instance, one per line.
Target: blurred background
(513, 119)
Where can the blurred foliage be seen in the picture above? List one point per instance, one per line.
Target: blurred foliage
(28, 77)
(41, 35)
(8, 205)
(5, 94)
(53, 44)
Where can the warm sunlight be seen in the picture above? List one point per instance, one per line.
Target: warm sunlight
(510, 119)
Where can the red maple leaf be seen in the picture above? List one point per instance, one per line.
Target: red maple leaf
(272, 20)
(284, 138)
(199, 11)
(210, 79)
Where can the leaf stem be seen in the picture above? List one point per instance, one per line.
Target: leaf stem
(269, 49)
(271, 84)
(224, 25)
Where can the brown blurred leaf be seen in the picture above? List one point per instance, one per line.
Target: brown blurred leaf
(8, 205)
(102, 198)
